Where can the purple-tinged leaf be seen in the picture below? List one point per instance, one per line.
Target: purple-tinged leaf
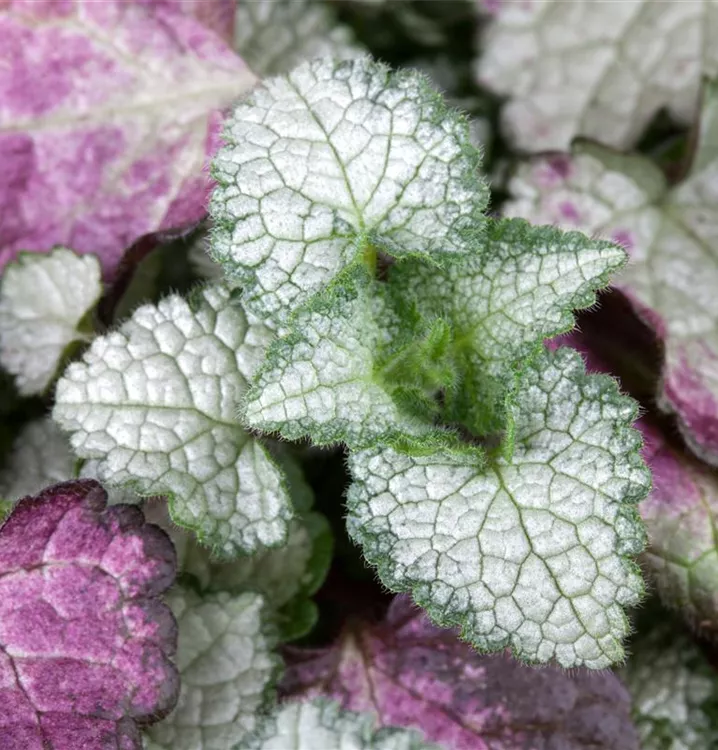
(217, 15)
(680, 514)
(410, 673)
(489, 7)
(108, 112)
(85, 642)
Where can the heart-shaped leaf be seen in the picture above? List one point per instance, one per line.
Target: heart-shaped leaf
(532, 552)
(325, 166)
(154, 403)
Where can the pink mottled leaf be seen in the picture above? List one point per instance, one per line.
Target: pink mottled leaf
(410, 673)
(681, 517)
(108, 112)
(217, 15)
(85, 642)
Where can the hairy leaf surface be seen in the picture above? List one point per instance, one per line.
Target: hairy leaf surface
(322, 380)
(330, 163)
(672, 275)
(680, 514)
(154, 403)
(502, 303)
(532, 553)
(286, 576)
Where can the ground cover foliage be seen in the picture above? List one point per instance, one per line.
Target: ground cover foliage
(358, 380)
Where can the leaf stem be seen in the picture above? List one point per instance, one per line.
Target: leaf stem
(370, 257)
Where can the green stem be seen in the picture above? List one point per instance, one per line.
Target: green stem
(370, 259)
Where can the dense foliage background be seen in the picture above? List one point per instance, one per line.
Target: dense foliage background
(598, 117)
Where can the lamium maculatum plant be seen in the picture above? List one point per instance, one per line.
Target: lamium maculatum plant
(320, 445)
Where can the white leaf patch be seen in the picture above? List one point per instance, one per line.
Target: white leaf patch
(43, 298)
(673, 691)
(277, 573)
(531, 554)
(273, 36)
(330, 162)
(600, 70)
(319, 381)
(225, 659)
(280, 574)
(40, 456)
(155, 403)
(322, 725)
